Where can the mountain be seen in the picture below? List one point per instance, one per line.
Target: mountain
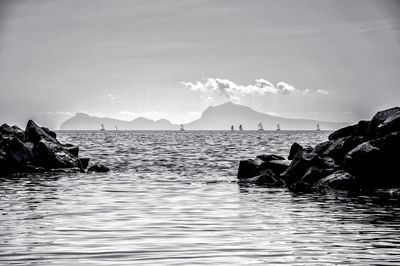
(82, 121)
(227, 114)
(219, 117)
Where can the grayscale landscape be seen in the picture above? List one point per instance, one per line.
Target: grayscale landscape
(199, 132)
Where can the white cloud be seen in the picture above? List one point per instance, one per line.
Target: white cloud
(230, 90)
(323, 92)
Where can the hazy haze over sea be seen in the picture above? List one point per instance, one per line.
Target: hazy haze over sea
(172, 199)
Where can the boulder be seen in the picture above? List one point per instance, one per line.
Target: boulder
(362, 128)
(13, 131)
(339, 180)
(49, 132)
(276, 166)
(300, 164)
(390, 125)
(312, 175)
(34, 133)
(343, 132)
(269, 157)
(248, 168)
(294, 149)
(337, 148)
(379, 118)
(267, 178)
(19, 152)
(300, 187)
(98, 168)
(365, 162)
(49, 154)
(84, 162)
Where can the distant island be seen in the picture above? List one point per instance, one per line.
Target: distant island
(220, 117)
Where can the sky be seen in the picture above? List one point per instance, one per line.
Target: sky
(326, 60)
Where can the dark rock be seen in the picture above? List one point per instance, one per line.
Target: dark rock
(280, 183)
(50, 154)
(343, 132)
(34, 133)
(365, 163)
(98, 168)
(294, 149)
(13, 131)
(73, 150)
(19, 152)
(391, 124)
(300, 187)
(248, 168)
(379, 118)
(312, 175)
(269, 157)
(49, 132)
(339, 180)
(300, 164)
(362, 128)
(338, 148)
(84, 162)
(277, 166)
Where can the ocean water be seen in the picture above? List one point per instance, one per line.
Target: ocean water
(172, 199)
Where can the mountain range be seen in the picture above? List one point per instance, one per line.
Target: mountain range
(220, 117)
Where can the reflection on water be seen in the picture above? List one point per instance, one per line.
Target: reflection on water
(172, 199)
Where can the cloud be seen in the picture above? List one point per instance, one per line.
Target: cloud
(323, 92)
(229, 89)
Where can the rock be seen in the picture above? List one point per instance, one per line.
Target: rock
(276, 166)
(98, 168)
(84, 162)
(248, 168)
(312, 175)
(34, 133)
(339, 180)
(50, 154)
(337, 148)
(73, 150)
(379, 118)
(13, 131)
(362, 128)
(294, 149)
(343, 132)
(300, 164)
(49, 132)
(365, 163)
(265, 179)
(300, 187)
(19, 152)
(280, 183)
(390, 125)
(269, 157)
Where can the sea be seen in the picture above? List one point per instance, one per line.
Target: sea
(172, 198)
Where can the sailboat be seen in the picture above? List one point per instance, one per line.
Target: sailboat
(232, 128)
(182, 129)
(240, 128)
(278, 128)
(102, 127)
(318, 129)
(260, 127)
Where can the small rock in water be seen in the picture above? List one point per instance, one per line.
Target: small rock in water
(98, 168)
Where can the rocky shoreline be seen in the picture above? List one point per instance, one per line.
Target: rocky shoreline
(37, 150)
(356, 158)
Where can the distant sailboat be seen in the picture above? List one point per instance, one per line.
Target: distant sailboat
(182, 129)
(278, 128)
(260, 127)
(102, 127)
(232, 128)
(240, 128)
(318, 129)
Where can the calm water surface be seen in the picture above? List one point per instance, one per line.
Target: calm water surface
(172, 199)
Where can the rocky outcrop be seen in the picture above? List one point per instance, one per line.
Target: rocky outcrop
(37, 150)
(360, 157)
